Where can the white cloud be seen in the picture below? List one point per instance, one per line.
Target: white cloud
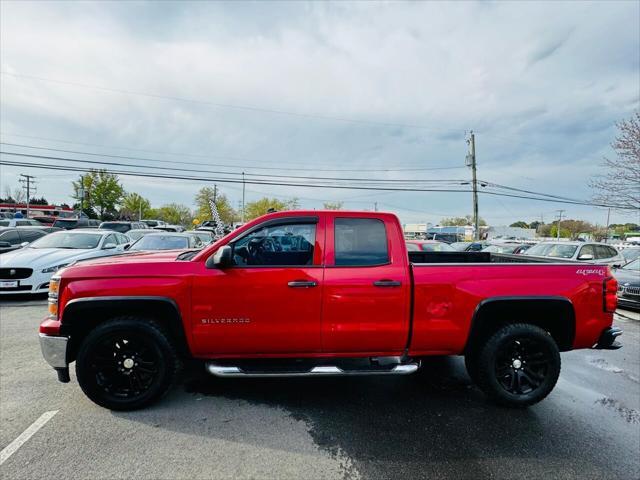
(541, 83)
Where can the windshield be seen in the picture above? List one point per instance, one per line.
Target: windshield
(500, 248)
(68, 240)
(630, 254)
(460, 246)
(65, 223)
(556, 250)
(437, 247)
(118, 227)
(136, 234)
(634, 265)
(160, 242)
(204, 236)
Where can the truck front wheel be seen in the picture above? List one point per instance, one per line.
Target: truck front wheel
(126, 363)
(519, 365)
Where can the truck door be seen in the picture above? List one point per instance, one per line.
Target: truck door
(367, 288)
(269, 301)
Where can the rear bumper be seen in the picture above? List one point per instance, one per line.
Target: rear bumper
(54, 351)
(607, 339)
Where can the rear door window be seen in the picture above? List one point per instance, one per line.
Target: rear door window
(602, 251)
(360, 242)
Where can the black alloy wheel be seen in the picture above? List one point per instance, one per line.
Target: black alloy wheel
(126, 363)
(519, 365)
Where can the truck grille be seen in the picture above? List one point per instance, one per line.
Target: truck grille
(15, 273)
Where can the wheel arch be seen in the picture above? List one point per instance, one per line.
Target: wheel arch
(82, 315)
(555, 314)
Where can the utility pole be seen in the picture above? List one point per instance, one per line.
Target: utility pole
(215, 193)
(608, 217)
(243, 185)
(27, 181)
(471, 162)
(560, 212)
(375, 206)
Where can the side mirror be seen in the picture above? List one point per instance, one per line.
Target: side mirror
(126, 246)
(221, 259)
(586, 256)
(24, 244)
(615, 266)
(109, 246)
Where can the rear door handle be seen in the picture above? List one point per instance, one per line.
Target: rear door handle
(302, 284)
(387, 283)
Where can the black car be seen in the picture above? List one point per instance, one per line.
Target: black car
(12, 238)
(629, 285)
(73, 223)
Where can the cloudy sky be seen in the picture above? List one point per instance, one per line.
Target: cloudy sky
(359, 90)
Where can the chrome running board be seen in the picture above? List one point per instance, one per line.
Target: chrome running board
(319, 371)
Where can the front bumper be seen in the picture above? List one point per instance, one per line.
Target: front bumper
(35, 283)
(607, 339)
(54, 351)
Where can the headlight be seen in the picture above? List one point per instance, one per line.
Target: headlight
(54, 269)
(54, 286)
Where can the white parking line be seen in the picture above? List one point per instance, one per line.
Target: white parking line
(26, 435)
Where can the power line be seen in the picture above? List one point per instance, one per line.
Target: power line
(291, 184)
(298, 177)
(288, 168)
(225, 105)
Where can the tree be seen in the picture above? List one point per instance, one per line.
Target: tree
(133, 205)
(38, 201)
(535, 224)
(175, 214)
(460, 221)
(102, 192)
(262, 206)
(203, 200)
(564, 233)
(520, 224)
(619, 186)
(333, 205)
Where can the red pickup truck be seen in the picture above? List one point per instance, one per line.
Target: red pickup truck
(316, 293)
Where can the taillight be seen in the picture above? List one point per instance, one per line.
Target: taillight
(610, 295)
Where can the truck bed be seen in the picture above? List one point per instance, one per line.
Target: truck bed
(417, 258)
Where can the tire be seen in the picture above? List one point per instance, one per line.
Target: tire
(519, 365)
(126, 363)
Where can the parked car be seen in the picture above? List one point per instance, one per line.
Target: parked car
(166, 241)
(73, 223)
(29, 269)
(511, 248)
(325, 293)
(123, 227)
(205, 236)
(20, 222)
(630, 254)
(153, 223)
(13, 238)
(170, 228)
(137, 233)
(628, 278)
(45, 219)
(428, 246)
(579, 251)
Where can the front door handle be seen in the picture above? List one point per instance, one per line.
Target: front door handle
(302, 284)
(387, 283)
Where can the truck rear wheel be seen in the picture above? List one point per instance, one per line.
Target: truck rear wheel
(126, 363)
(519, 365)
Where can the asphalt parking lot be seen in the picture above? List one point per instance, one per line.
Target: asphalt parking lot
(434, 424)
